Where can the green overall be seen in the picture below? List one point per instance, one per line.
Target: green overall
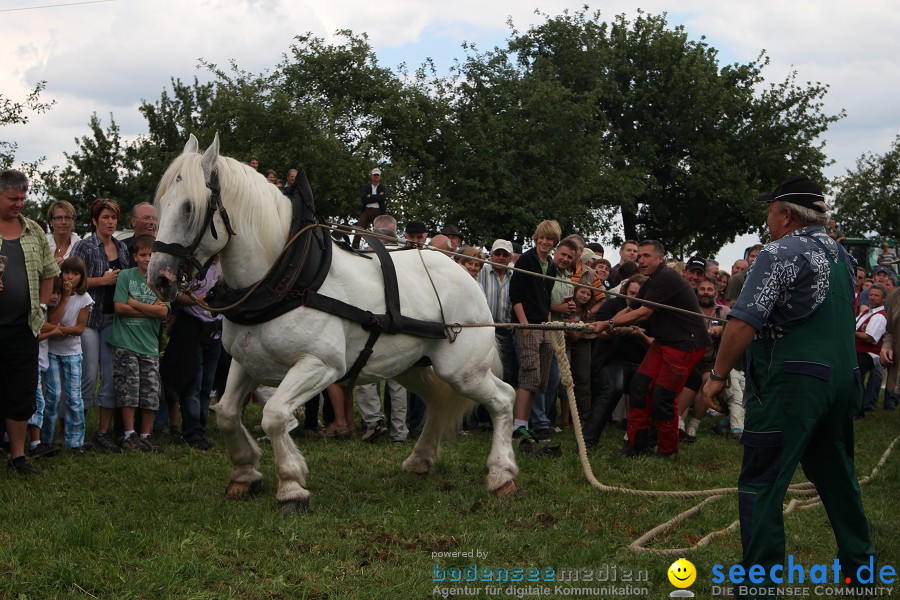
(802, 393)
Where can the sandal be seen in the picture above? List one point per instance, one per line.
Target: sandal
(337, 433)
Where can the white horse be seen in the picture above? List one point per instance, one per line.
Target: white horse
(304, 350)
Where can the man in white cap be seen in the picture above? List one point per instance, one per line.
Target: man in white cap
(373, 197)
(494, 281)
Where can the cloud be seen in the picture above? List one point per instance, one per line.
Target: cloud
(107, 57)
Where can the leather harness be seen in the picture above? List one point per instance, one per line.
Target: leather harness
(299, 273)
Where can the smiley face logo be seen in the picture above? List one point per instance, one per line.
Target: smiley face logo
(682, 573)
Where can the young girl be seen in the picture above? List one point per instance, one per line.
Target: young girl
(579, 345)
(71, 314)
(36, 422)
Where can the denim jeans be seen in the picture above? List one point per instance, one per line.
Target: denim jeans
(507, 347)
(97, 358)
(873, 386)
(543, 401)
(614, 379)
(195, 402)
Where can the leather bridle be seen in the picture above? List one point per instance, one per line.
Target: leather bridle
(186, 253)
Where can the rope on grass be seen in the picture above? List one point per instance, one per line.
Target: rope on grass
(640, 545)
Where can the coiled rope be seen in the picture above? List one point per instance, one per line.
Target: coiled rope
(806, 489)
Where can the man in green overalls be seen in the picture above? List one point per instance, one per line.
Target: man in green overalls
(794, 318)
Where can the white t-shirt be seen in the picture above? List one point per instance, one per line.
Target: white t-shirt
(374, 191)
(69, 345)
(43, 348)
(75, 238)
(876, 325)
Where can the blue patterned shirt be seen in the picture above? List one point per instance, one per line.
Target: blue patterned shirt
(789, 281)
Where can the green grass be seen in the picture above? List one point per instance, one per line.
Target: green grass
(157, 526)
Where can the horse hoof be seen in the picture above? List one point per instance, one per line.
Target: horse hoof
(296, 506)
(506, 490)
(423, 475)
(240, 490)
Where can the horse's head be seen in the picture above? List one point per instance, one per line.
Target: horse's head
(193, 224)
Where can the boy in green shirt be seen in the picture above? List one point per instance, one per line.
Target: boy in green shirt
(135, 338)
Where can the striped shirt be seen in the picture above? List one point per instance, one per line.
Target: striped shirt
(496, 292)
(39, 265)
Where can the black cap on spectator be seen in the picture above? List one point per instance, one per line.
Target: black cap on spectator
(416, 227)
(695, 262)
(796, 190)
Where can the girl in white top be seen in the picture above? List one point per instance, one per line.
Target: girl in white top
(36, 421)
(71, 314)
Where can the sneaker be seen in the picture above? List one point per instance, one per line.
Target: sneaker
(151, 444)
(43, 450)
(721, 427)
(374, 432)
(736, 434)
(23, 467)
(661, 456)
(104, 442)
(77, 451)
(134, 442)
(174, 431)
(522, 432)
(543, 435)
(200, 444)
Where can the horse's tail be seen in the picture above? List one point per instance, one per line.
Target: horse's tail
(447, 407)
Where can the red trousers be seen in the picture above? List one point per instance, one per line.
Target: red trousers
(655, 387)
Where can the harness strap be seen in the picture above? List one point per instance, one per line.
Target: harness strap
(361, 360)
(391, 286)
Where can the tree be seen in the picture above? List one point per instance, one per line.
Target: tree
(16, 113)
(868, 198)
(686, 144)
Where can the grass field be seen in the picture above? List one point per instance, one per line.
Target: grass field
(157, 526)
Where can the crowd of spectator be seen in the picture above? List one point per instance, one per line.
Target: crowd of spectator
(100, 333)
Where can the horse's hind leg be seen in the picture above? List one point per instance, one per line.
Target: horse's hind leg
(440, 413)
(499, 398)
(305, 379)
(478, 382)
(242, 449)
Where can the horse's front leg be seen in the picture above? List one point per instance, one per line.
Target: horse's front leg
(305, 379)
(242, 449)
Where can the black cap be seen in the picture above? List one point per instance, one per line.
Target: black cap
(796, 190)
(451, 230)
(416, 227)
(695, 262)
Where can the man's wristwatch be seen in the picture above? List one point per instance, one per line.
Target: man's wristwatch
(714, 377)
(611, 325)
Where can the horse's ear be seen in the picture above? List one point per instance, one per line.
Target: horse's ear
(208, 162)
(192, 146)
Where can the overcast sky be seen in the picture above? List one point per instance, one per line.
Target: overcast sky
(107, 56)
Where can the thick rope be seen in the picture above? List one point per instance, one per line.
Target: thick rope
(640, 544)
(348, 229)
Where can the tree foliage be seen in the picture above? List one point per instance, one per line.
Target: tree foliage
(575, 119)
(13, 112)
(868, 198)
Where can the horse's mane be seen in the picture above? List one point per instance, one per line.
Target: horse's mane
(258, 210)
